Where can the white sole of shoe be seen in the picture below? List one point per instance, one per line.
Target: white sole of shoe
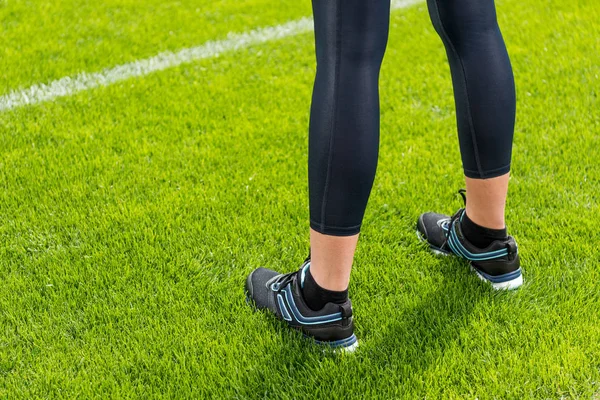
(347, 350)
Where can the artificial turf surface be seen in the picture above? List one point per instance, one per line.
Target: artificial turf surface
(130, 215)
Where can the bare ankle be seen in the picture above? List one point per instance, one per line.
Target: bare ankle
(331, 259)
(486, 199)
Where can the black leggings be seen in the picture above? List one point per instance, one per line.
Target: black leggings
(351, 37)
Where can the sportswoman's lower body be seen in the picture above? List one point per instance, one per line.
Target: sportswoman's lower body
(351, 37)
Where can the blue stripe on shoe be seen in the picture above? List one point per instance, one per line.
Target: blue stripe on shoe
(303, 274)
(453, 248)
(283, 308)
(323, 319)
(499, 278)
(478, 257)
(460, 249)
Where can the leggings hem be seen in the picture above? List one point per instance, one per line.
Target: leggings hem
(335, 230)
(494, 173)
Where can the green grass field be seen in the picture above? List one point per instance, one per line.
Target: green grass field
(131, 214)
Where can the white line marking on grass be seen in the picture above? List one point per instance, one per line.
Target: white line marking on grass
(68, 85)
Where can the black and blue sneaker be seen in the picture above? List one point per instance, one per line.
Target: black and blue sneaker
(281, 294)
(497, 264)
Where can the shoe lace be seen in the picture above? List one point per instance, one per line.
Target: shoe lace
(284, 279)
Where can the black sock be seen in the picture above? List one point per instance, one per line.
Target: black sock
(478, 235)
(316, 297)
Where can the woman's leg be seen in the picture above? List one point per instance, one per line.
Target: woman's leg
(351, 37)
(484, 93)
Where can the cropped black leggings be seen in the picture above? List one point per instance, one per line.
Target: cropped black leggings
(351, 37)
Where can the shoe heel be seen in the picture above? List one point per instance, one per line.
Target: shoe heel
(512, 282)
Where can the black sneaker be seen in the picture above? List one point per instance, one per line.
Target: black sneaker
(497, 264)
(281, 294)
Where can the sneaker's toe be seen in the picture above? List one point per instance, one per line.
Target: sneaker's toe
(430, 227)
(256, 286)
